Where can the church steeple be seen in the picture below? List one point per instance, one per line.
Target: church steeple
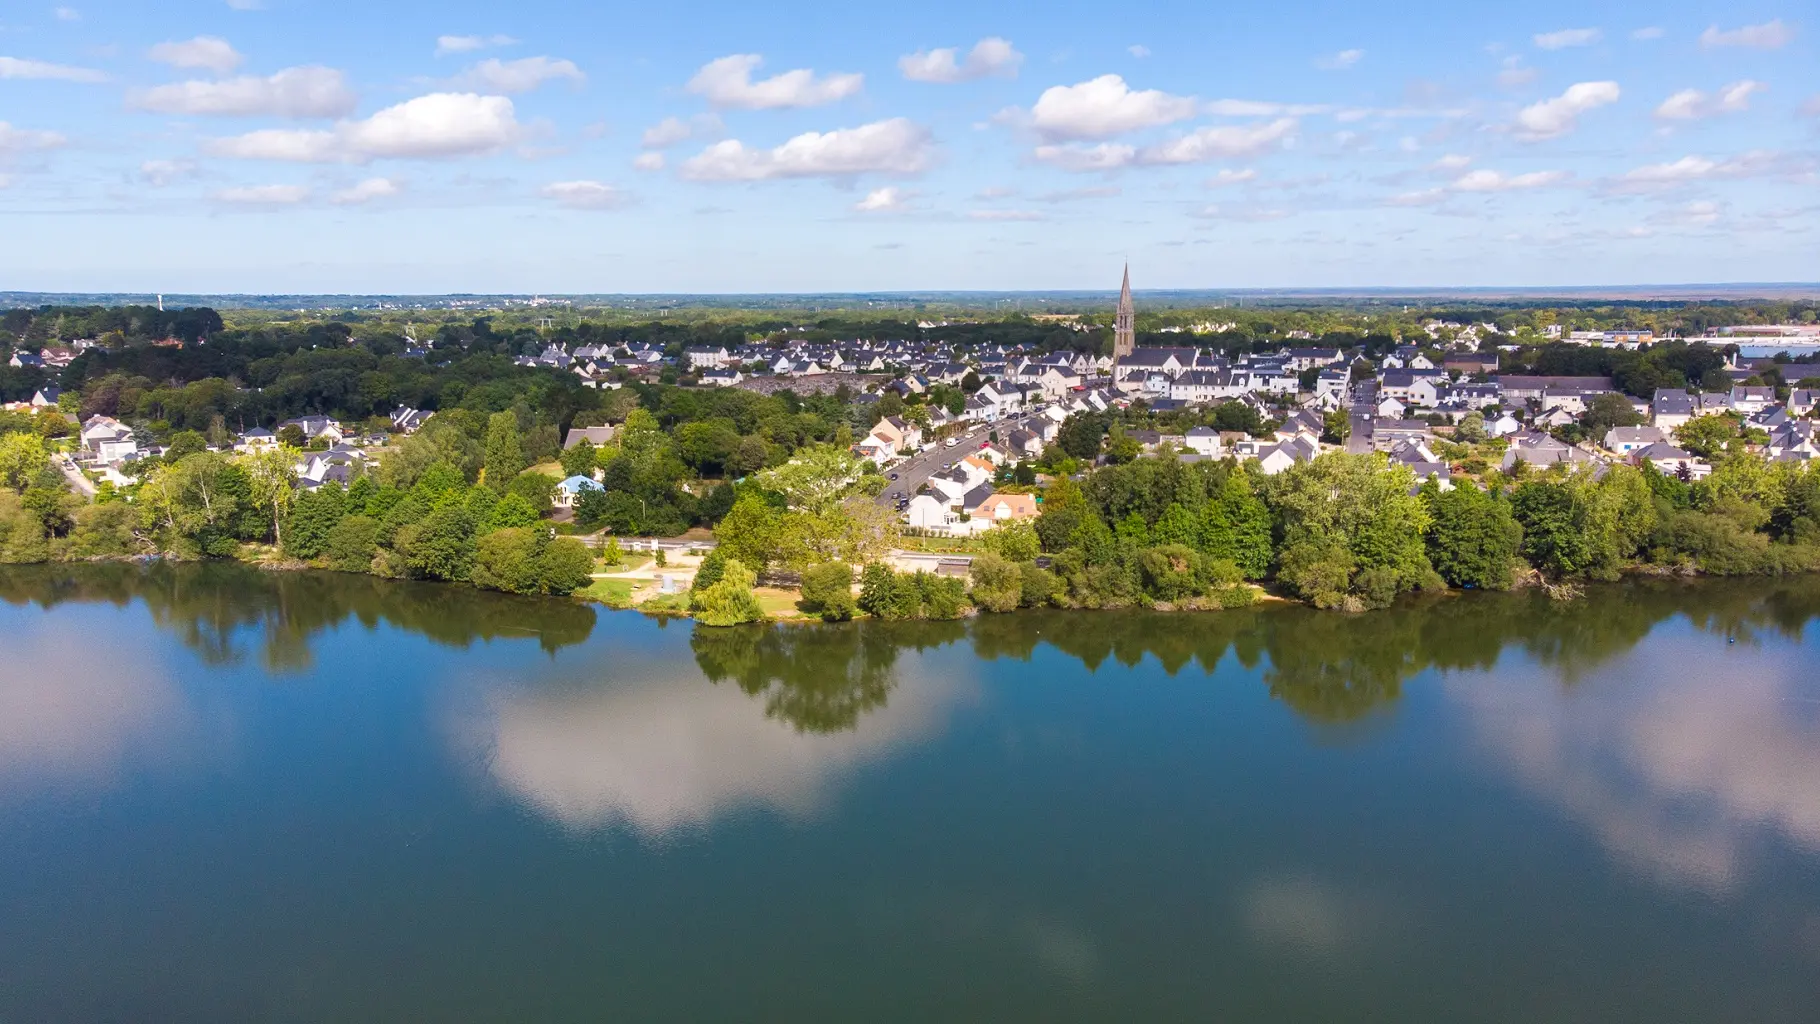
(1124, 327)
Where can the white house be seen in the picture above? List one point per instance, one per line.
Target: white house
(926, 512)
(1627, 440)
(569, 491)
(1204, 441)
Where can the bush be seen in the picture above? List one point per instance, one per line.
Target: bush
(828, 591)
(730, 601)
(712, 568)
(1038, 586)
(942, 597)
(564, 567)
(350, 545)
(507, 560)
(997, 583)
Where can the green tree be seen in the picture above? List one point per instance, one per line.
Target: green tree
(1474, 537)
(997, 583)
(273, 476)
(1552, 540)
(511, 512)
(1707, 436)
(828, 591)
(730, 601)
(1013, 540)
(816, 479)
(751, 532)
(1471, 429)
(579, 460)
(351, 544)
(878, 591)
(1607, 411)
(22, 458)
(441, 546)
(1081, 434)
(504, 454)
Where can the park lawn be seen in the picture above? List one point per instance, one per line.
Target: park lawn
(627, 563)
(612, 593)
(778, 603)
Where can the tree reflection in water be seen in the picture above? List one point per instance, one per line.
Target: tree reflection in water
(1328, 667)
(212, 607)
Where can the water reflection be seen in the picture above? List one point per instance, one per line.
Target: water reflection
(1679, 757)
(661, 753)
(1676, 749)
(213, 608)
(77, 714)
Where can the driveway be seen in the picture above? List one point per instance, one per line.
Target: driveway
(82, 484)
(913, 472)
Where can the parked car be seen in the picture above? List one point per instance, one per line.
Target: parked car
(951, 442)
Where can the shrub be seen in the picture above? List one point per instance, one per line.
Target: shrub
(349, 546)
(828, 591)
(729, 601)
(997, 583)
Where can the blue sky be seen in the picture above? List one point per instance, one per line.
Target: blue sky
(291, 145)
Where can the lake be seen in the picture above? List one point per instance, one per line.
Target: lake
(228, 795)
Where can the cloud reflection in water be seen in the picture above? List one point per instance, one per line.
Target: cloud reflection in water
(663, 750)
(1678, 755)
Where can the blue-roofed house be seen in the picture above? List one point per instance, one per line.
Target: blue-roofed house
(570, 491)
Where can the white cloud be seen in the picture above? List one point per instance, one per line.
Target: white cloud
(212, 53)
(264, 195)
(1006, 215)
(366, 191)
(516, 76)
(1812, 107)
(1690, 169)
(446, 45)
(1566, 38)
(67, 14)
(989, 56)
(1221, 142)
(1560, 115)
(245, 5)
(672, 130)
(20, 140)
(1266, 108)
(884, 200)
(17, 67)
(1106, 156)
(159, 173)
(1230, 177)
(1339, 61)
(439, 125)
(896, 146)
(1422, 197)
(1700, 213)
(648, 162)
(727, 82)
(1451, 162)
(1512, 73)
(1138, 50)
(583, 195)
(1104, 107)
(1647, 33)
(1075, 195)
(293, 92)
(1771, 35)
(1692, 104)
(1484, 180)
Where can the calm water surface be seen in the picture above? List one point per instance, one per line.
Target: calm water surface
(234, 796)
